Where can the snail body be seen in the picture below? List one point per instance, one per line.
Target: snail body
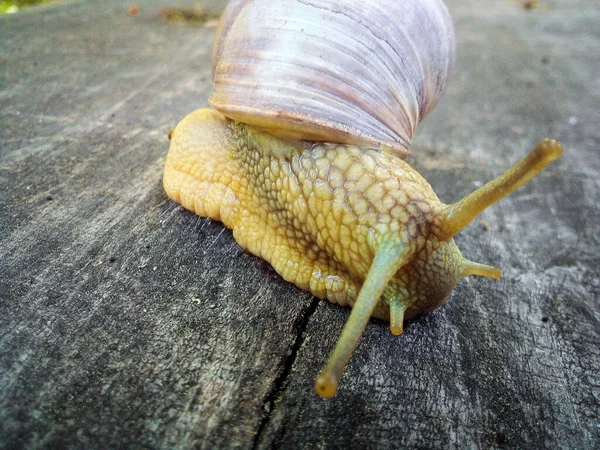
(326, 199)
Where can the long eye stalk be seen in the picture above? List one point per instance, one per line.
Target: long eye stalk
(461, 213)
(390, 256)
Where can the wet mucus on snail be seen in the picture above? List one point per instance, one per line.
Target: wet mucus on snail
(315, 103)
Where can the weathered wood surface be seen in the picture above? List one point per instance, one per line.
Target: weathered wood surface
(126, 321)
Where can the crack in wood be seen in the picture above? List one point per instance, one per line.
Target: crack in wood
(281, 382)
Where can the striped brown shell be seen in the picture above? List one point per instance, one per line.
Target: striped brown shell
(348, 71)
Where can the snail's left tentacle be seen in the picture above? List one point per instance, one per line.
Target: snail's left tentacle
(473, 268)
(460, 214)
(390, 256)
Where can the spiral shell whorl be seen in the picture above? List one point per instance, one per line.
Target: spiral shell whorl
(362, 72)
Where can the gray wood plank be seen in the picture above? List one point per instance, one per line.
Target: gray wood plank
(126, 321)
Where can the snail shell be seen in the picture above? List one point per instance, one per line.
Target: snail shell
(355, 72)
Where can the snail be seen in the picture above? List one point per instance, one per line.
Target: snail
(315, 103)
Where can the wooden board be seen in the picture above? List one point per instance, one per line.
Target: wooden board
(126, 321)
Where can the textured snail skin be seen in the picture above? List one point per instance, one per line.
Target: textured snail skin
(350, 224)
(317, 213)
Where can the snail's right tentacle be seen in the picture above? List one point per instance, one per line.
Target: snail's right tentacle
(398, 301)
(390, 256)
(460, 214)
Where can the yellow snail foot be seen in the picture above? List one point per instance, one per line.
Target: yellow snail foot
(208, 172)
(198, 172)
